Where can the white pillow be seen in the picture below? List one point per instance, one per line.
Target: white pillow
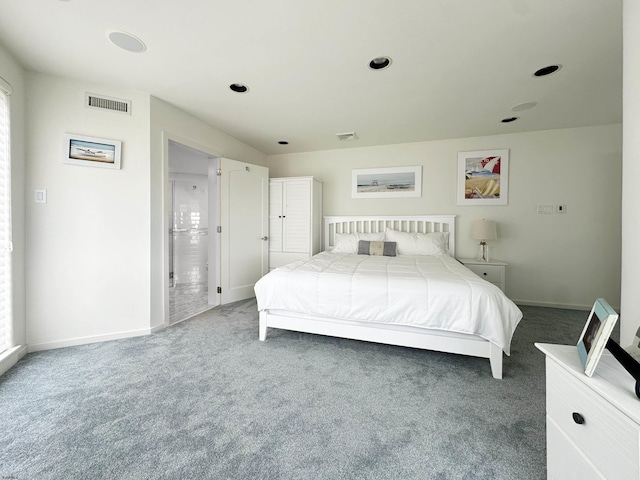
(436, 243)
(372, 237)
(348, 242)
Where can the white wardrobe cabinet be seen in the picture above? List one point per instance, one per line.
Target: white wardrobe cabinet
(295, 219)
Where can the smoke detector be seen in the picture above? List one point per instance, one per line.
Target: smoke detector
(347, 136)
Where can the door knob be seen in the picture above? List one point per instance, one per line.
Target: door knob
(264, 238)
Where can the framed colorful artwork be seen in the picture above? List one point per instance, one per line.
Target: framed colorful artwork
(483, 177)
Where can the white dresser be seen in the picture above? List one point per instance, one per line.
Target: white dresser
(593, 424)
(295, 219)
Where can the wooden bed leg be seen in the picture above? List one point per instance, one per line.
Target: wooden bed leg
(495, 357)
(263, 326)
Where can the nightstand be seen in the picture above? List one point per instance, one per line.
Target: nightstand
(493, 271)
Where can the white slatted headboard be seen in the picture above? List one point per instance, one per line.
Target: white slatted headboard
(373, 224)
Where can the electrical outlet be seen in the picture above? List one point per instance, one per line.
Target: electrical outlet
(561, 209)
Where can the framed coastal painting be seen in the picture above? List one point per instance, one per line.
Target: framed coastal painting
(391, 182)
(483, 177)
(91, 151)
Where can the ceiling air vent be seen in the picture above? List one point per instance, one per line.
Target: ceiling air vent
(107, 103)
(347, 136)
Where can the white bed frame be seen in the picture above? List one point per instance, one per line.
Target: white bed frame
(442, 341)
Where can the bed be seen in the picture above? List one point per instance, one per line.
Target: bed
(421, 298)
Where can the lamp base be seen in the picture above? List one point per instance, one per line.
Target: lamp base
(482, 253)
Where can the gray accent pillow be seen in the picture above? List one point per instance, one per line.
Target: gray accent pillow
(388, 249)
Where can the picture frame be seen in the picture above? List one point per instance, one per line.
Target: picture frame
(91, 151)
(483, 177)
(387, 182)
(595, 334)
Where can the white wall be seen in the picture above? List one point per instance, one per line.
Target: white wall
(170, 123)
(88, 246)
(564, 260)
(630, 302)
(11, 71)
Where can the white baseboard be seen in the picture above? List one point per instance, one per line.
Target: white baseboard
(72, 342)
(11, 356)
(158, 328)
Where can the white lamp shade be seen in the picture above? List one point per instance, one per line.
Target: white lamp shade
(484, 230)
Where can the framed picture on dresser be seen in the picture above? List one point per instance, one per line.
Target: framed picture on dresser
(595, 334)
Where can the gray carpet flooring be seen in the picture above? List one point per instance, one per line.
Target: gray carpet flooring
(205, 399)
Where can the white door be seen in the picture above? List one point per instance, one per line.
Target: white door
(244, 217)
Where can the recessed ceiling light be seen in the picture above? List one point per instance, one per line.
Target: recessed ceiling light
(547, 70)
(521, 107)
(379, 63)
(239, 87)
(126, 41)
(283, 142)
(509, 119)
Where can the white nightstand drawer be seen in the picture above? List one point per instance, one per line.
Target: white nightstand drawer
(606, 437)
(491, 273)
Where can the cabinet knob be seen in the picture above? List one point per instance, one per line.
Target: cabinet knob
(485, 274)
(578, 418)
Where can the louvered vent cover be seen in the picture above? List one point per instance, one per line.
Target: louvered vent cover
(107, 103)
(347, 136)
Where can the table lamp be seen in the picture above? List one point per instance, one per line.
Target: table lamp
(483, 230)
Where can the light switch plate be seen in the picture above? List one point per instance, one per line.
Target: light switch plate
(40, 195)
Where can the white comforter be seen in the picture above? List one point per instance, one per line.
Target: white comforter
(435, 292)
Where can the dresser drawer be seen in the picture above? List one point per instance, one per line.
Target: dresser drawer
(607, 437)
(491, 273)
(564, 460)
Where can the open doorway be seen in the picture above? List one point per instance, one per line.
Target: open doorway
(192, 239)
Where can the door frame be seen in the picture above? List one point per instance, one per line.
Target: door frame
(214, 220)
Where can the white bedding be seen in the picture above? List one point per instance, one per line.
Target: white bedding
(434, 292)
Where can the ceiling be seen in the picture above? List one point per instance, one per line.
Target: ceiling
(458, 66)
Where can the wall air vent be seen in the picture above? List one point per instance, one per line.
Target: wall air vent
(347, 136)
(107, 103)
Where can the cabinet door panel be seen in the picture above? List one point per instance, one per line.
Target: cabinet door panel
(276, 192)
(296, 224)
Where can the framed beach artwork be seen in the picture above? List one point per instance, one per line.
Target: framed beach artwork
(483, 177)
(391, 182)
(91, 151)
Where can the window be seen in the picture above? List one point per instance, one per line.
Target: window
(6, 324)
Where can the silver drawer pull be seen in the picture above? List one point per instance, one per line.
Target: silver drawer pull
(578, 418)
